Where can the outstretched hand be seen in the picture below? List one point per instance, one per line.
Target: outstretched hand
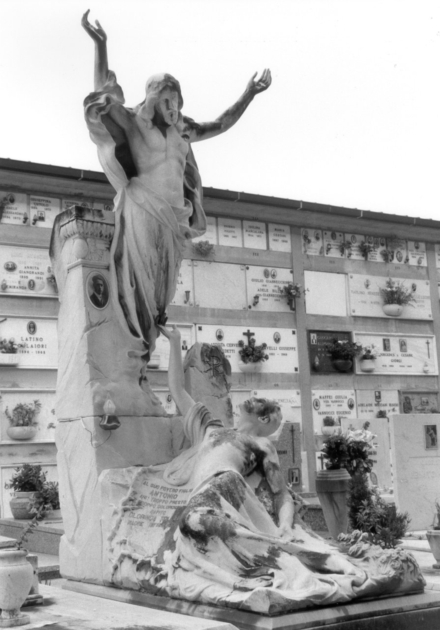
(261, 84)
(97, 33)
(171, 335)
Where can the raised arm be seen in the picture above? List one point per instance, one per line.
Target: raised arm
(203, 131)
(175, 371)
(283, 502)
(99, 36)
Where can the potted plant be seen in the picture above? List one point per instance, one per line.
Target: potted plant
(332, 484)
(203, 248)
(47, 501)
(345, 247)
(23, 425)
(343, 352)
(367, 357)
(251, 355)
(8, 351)
(433, 536)
(26, 481)
(291, 291)
(330, 425)
(395, 296)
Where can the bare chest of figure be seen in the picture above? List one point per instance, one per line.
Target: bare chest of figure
(153, 146)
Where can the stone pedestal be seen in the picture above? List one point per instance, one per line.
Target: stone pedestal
(101, 367)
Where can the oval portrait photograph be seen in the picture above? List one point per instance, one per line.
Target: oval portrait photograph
(97, 290)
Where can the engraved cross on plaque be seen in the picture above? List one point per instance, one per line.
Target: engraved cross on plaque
(249, 334)
(427, 345)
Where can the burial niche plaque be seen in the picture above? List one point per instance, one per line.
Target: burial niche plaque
(320, 359)
(279, 238)
(281, 345)
(230, 232)
(400, 353)
(26, 271)
(37, 340)
(337, 403)
(265, 288)
(254, 234)
(44, 210)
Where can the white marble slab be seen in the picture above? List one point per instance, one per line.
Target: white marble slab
(25, 271)
(312, 242)
(325, 293)
(370, 402)
(230, 232)
(46, 418)
(416, 467)
(281, 345)
(211, 232)
(400, 353)
(380, 246)
(332, 243)
(366, 301)
(38, 337)
(337, 403)
(267, 283)
(15, 211)
(184, 295)
(219, 285)
(43, 211)
(254, 235)
(279, 238)
(417, 254)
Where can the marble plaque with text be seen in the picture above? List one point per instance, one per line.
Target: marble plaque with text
(184, 295)
(312, 242)
(211, 232)
(281, 345)
(38, 338)
(266, 284)
(25, 271)
(320, 359)
(366, 300)
(15, 209)
(401, 353)
(44, 210)
(326, 293)
(230, 232)
(219, 285)
(417, 254)
(379, 247)
(418, 402)
(279, 238)
(370, 402)
(332, 244)
(337, 403)
(254, 234)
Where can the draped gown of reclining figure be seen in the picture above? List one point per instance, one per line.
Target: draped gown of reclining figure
(145, 153)
(228, 551)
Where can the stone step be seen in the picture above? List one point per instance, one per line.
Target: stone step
(45, 538)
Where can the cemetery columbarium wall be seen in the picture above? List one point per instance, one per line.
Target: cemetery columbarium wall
(340, 257)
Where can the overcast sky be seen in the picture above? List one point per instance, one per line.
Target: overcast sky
(352, 117)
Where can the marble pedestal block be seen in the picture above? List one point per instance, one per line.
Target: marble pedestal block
(99, 360)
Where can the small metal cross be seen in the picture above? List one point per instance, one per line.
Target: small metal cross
(249, 334)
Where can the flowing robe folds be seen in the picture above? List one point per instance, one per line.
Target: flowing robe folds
(150, 234)
(217, 544)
